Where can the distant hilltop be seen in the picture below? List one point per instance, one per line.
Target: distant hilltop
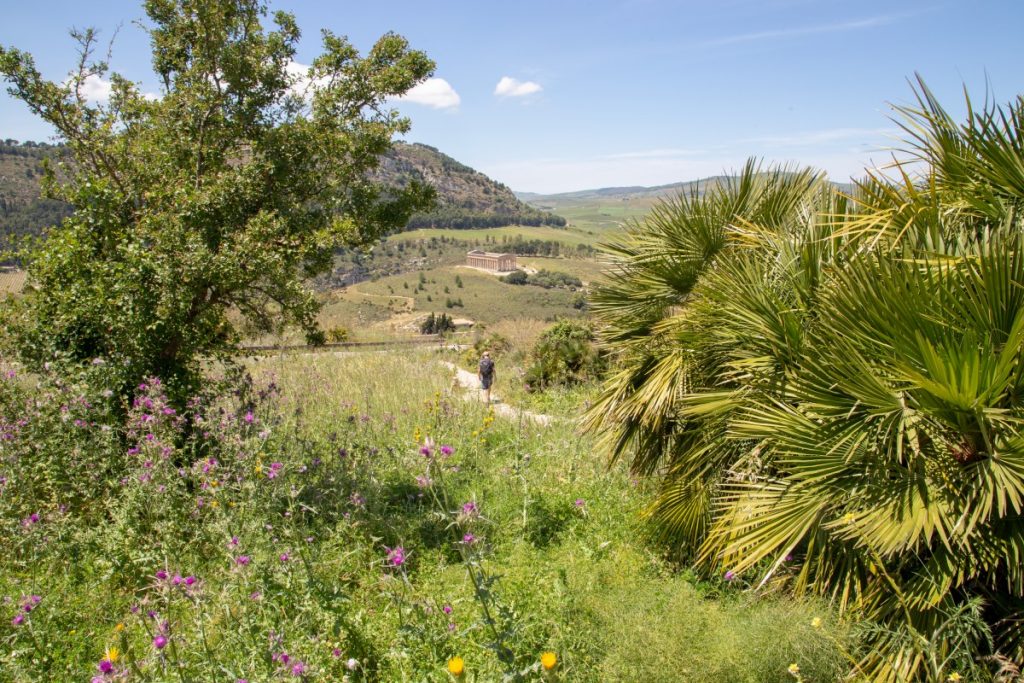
(466, 198)
(636, 193)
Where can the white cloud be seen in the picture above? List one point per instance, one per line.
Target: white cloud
(436, 93)
(510, 87)
(96, 89)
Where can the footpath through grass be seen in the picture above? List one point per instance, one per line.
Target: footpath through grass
(352, 518)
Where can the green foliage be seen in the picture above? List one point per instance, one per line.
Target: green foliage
(543, 278)
(565, 354)
(437, 324)
(311, 473)
(516, 277)
(839, 382)
(226, 193)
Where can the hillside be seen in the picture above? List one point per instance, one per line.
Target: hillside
(22, 211)
(465, 198)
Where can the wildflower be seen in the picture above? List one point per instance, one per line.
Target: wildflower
(190, 580)
(119, 627)
(284, 557)
(249, 418)
(579, 502)
(426, 451)
(955, 678)
(234, 541)
(447, 450)
(160, 642)
(352, 664)
(456, 667)
(548, 660)
(242, 560)
(18, 620)
(469, 539)
(298, 669)
(816, 622)
(447, 609)
(423, 481)
(794, 669)
(469, 509)
(336, 652)
(396, 556)
(730, 575)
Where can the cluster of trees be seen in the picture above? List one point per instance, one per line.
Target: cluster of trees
(437, 324)
(543, 278)
(552, 248)
(830, 388)
(457, 218)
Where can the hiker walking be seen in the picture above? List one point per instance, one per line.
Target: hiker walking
(485, 373)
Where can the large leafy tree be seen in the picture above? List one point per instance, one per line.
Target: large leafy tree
(210, 205)
(831, 393)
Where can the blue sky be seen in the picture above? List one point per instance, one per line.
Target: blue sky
(569, 94)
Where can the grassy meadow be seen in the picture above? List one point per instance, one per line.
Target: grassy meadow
(352, 517)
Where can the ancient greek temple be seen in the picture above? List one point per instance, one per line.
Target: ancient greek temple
(490, 261)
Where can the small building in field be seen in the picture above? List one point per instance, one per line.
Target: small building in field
(485, 259)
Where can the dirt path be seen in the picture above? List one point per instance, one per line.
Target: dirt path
(468, 380)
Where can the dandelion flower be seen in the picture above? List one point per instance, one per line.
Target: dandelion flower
(816, 622)
(456, 667)
(794, 669)
(548, 660)
(112, 654)
(955, 678)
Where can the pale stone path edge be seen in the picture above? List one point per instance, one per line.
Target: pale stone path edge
(467, 380)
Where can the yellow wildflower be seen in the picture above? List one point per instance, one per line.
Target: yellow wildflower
(955, 678)
(816, 622)
(111, 654)
(794, 669)
(456, 667)
(548, 660)
(119, 627)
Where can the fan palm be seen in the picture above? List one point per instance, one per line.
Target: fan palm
(842, 384)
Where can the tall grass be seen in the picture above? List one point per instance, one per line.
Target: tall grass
(289, 508)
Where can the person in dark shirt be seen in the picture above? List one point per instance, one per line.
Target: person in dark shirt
(486, 373)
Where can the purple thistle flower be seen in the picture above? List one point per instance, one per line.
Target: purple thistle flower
(396, 556)
(160, 642)
(242, 560)
(336, 652)
(447, 609)
(18, 620)
(285, 557)
(469, 539)
(447, 450)
(580, 502)
(730, 575)
(299, 669)
(190, 580)
(161, 574)
(426, 451)
(234, 541)
(469, 508)
(106, 666)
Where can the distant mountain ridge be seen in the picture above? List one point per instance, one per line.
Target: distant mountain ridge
(629, 193)
(466, 198)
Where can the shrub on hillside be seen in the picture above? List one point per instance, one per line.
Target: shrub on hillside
(516, 277)
(565, 354)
